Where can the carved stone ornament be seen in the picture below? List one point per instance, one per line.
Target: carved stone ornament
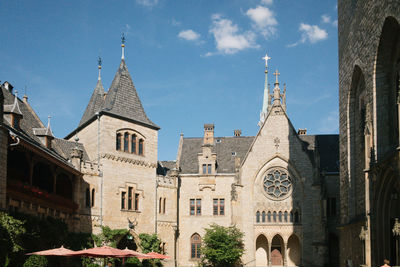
(363, 233)
(277, 183)
(396, 228)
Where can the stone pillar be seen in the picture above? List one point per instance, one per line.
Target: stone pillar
(3, 165)
(269, 253)
(285, 259)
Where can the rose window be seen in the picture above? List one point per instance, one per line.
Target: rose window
(277, 183)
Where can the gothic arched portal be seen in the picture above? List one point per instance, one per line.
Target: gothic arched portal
(261, 251)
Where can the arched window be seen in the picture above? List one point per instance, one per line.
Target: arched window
(164, 205)
(126, 142)
(159, 205)
(93, 195)
(296, 217)
(133, 144)
(258, 216)
(269, 216)
(87, 197)
(285, 216)
(141, 148)
(291, 216)
(280, 216)
(263, 216)
(118, 142)
(195, 244)
(274, 216)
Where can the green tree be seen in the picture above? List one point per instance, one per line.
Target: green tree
(150, 243)
(222, 246)
(11, 231)
(36, 261)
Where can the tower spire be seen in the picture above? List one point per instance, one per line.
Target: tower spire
(123, 45)
(266, 99)
(99, 66)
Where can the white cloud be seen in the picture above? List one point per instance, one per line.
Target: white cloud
(189, 35)
(227, 37)
(267, 2)
(310, 33)
(148, 3)
(263, 20)
(325, 18)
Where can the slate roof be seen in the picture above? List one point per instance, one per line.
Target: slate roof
(224, 147)
(327, 147)
(164, 167)
(95, 104)
(64, 148)
(121, 100)
(30, 123)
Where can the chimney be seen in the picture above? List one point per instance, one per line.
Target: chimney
(237, 132)
(208, 134)
(302, 131)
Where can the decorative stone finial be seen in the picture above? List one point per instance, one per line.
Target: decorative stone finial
(276, 76)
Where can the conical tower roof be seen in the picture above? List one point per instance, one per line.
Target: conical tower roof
(95, 104)
(123, 101)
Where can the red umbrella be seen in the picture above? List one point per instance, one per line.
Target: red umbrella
(53, 252)
(101, 252)
(155, 255)
(133, 253)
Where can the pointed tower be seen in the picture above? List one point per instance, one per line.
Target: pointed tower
(122, 99)
(278, 98)
(267, 96)
(96, 101)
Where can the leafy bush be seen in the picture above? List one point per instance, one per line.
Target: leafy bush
(222, 246)
(36, 261)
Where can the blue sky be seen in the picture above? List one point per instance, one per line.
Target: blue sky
(192, 61)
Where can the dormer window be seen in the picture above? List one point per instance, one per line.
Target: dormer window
(130, 142)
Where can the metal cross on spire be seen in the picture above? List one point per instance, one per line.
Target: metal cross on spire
(276, 73)
(99, 66)
(266, 58)
(123, 45)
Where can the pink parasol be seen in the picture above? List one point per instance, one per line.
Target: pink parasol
(101, 252)
(53, 252)
(155, 255)
(132, 253)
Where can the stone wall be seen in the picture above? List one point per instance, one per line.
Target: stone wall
(3, 164)
(360, 27)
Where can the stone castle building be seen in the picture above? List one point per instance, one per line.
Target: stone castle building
(369, 89)
(280, 187)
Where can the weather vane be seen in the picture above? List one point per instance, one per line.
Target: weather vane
(123, 38)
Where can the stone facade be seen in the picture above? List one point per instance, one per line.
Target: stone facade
(279, 187)
(369, 48)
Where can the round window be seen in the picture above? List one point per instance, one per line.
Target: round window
(277, 183)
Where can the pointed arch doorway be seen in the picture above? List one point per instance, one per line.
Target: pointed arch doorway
(277, 251)
(261, 251)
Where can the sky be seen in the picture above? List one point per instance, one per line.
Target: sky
(192, 61)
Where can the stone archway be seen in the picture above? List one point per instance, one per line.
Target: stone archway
(277, 251)
(293, 251)
(261, 251)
